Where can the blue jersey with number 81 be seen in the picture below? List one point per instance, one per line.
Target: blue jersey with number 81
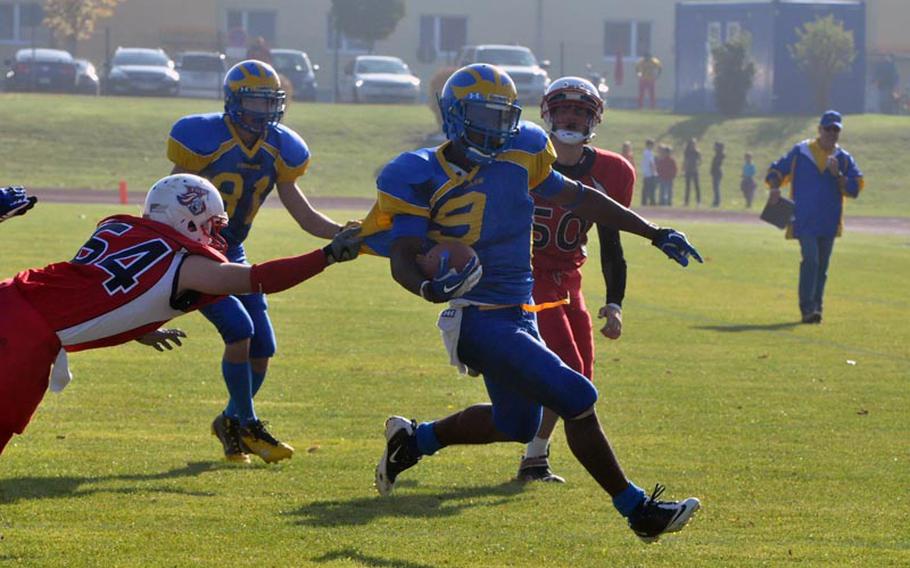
(208, 145)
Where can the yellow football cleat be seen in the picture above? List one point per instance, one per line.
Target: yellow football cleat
(227, 430)
(257, 440)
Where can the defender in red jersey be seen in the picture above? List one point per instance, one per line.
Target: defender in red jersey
(572, 108)
(131, 276)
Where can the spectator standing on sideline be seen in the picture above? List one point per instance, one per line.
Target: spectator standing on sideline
(887, 79)
(627, 152)
(747, 185)
(691, 162)
(259, 50)
(648, 174)
(648, 70)
(821, 174)
(717, 172)
(666, 173)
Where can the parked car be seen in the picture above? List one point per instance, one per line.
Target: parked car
(379, 78)
(41, 69)
(201, 74)
(530, 77)
(295, 65)
(138, 70)
(87, 80)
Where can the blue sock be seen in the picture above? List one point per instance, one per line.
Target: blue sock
(258, 379)
(427, 442)
(237, 377)
(629, 500)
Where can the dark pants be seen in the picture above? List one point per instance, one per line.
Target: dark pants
(649, 189)
(692, 179)
(666, 192)
(813, 272)
(715, 185)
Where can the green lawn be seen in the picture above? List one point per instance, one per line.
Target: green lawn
(800, 457)
(85, 142)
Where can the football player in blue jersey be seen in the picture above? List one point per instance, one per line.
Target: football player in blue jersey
(246, 152)
(477, 189)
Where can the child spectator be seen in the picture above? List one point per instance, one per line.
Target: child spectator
(666, 173)
(627, 152)
(747, 185)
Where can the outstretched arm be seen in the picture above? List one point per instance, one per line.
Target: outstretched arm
(599, 208)
(300, 208)
(208, 276)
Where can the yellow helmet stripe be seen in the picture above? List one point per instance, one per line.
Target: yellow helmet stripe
(497, 87)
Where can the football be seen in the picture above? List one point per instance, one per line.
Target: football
(459, 255)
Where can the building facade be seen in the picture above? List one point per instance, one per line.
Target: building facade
(571, 34)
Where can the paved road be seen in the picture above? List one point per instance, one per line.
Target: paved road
(860, 224)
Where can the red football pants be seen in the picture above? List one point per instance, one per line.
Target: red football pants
(566, 329)
(28, 348)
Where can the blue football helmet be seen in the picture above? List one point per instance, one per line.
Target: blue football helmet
(479, 111)
(246, 83)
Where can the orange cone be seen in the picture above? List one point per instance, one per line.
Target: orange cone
(123, 196)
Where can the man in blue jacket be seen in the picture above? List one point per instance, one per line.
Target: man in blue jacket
(820, 174)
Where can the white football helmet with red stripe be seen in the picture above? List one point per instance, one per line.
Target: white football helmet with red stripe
(573, 91)
(191, 205)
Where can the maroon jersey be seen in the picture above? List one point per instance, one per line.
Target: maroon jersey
(119, 286)
(560, 235)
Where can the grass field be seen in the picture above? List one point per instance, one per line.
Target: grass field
(800, 457)
(83, 142)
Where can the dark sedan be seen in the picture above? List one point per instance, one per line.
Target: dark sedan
(295, 65)
(41, 70)
(141, 71)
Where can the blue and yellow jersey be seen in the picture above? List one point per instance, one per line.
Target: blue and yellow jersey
(489, 208)
(208, 145)
(819, 202)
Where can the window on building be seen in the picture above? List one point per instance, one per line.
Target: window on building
(445, 35)
(18, 20)
(714, 33)
(255, 23)
(345, 43)
(631, 38)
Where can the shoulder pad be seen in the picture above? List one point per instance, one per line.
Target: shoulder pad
(531, 138)
(201, 133)
(294, 150)
(408, 168)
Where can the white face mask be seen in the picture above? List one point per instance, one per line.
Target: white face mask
(570, 137)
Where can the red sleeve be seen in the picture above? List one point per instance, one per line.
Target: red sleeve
(616, 174)
(283, 273)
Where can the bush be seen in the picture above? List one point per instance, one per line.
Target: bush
(823, 50)
(734, 72)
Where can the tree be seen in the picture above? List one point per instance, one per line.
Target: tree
(366, 20)
(734, 72)
(823, 50)
(72, 20)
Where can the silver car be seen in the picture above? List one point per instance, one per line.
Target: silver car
(379, 78)
(530, 77)
(201, 74)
